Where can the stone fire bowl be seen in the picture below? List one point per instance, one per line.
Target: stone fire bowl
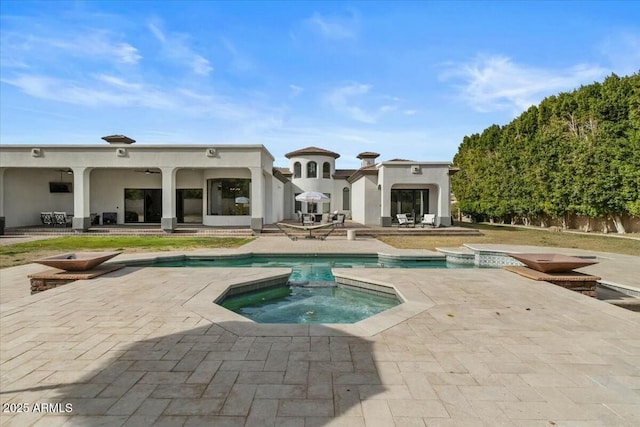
(77, 261)
(552, 263)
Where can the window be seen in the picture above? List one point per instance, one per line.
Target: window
(312, 170)
(297, 170)
(326, 170)
(189, 205)
(230, 196)
(297, 204)
(326, 207)
(346, 201)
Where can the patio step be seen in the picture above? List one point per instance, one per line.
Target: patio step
(125, 231)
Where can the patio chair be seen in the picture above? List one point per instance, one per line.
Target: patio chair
(46, 218)
(61, 219)
(404, 220)
(428, 219)
(339, 221)
(307, 219)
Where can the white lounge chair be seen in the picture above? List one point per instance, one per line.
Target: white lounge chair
(428, 219)
(404, 220)
(61, 219)
(46, 218)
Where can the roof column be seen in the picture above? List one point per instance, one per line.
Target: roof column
(169, 219)
(81, 198)
(257, 199)
(2, 201)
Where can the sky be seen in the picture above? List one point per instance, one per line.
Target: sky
(407, 80)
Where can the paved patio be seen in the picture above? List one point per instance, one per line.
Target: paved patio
(488, 348)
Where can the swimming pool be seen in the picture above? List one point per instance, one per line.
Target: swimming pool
(311, 294)
(306, 267)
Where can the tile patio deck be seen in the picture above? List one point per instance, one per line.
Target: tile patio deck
(493, 349)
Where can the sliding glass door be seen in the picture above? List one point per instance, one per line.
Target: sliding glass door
(409, 201)
(142, 205)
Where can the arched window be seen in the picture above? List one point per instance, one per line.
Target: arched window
(312, 170)
(297, 170)
(346, 202)
(326, 170)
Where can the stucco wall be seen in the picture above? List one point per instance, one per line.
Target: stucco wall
(26, 194)
(322, 185)
(434, 176)
(365, 196)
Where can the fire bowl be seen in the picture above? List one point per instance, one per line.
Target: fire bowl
(552, 263)
(77, 261)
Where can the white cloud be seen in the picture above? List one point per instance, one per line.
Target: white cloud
(176, 46)
(622, 50)
(118, 82)
(115, 92)
(295, 90)
(496, 83)
(342, 100)
(357, 102)
(334, 27)
(22, 49)
(239, 61)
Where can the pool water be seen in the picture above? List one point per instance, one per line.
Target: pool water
(295, 304)
(306, 268)
(311, 294)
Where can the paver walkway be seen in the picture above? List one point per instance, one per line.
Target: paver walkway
(493, 349)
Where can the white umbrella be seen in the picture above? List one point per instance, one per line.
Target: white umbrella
(312, 197)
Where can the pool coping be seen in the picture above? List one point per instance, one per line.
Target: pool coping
(133, 260)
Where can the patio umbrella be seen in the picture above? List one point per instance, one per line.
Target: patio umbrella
(312, 197)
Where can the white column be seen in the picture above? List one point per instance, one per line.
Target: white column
(169, 220)
(2, 219)
(257, 199)
(385, 203)
(81, 198)
(444, 201)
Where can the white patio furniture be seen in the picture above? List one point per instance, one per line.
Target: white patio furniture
(428, 219)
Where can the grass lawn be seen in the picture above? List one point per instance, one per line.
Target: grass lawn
(24, 253)
(519, 236)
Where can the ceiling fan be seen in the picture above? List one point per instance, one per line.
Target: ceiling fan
(147, 171)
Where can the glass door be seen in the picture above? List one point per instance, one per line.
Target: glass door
(142, 205)
(409, 201)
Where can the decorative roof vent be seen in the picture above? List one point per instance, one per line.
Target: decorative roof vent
(368, 158)
(118, 139)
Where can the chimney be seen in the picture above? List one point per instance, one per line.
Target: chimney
(368, 158)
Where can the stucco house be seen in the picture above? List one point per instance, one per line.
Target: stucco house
(121, 182)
